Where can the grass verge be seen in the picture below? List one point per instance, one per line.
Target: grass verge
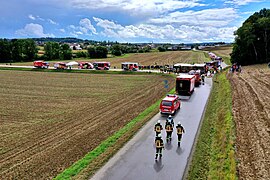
(214, 155)
(109, 147)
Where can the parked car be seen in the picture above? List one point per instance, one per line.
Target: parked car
(170, 104)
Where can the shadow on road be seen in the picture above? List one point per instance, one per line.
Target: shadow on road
(179, 151)
(168, 146)
(158, 165)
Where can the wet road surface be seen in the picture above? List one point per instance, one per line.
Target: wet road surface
(136, 160)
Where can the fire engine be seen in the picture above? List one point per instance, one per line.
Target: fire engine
(197, 77)
(60, 65)
(102, 65)
(185, 84)
(170, 104)
(132, 66)
(41, 64)
(85, 65)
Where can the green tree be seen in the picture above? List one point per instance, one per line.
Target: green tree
(116, 50)
(161, 49)
(101, 51)
(97, 52)
(29, 49)
(252, 40)
(17, 49)
(92, 52)
(5, 51)
(52, 50)
(65, 52)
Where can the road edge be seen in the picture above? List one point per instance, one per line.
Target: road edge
(196, 137)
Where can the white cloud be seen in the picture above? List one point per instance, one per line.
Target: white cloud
(33, 30)
(62, 30)
(52, 22)
(240, 2)
(163, 33)
(31, 17)
(85, 26)
(207, 17)
(136, 7)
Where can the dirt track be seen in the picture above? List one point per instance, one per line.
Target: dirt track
(50, 120)
(251, 109)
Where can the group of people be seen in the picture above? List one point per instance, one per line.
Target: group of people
(169, 126)
(236, 68)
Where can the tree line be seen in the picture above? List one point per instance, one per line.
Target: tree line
(23, 50)
(252, 40)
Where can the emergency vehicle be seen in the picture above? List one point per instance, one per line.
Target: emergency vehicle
(85, 65)
(170, 104)
(197, 77)
(41, 64)
(185, 84)
(102, 65)
(60, 65)
(132, 66)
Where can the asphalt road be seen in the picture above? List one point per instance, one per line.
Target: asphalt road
(136, 160)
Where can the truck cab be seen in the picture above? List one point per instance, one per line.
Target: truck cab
(170, 104)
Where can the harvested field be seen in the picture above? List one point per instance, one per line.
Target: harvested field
(160, 58)
(251, 109)
(221, 50)
(50, 120)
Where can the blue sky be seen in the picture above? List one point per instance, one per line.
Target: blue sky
(172, 21)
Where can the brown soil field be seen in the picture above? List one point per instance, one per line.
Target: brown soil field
(223, 51)
(251, 110)
(48, 121)
(160, 58)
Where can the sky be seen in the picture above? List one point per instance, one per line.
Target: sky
(158, 21)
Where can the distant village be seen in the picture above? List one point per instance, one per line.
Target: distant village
(79, 44)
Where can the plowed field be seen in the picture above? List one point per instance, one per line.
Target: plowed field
(251, 109)
(50, 120)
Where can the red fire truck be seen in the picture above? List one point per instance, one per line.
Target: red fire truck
(41, 64)
(197, 77)
(170, 104)
(85, 65)
(132, 66)
(185, 84)
(102, 65)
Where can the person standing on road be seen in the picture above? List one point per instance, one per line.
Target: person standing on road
(170, 120)
(179, 130)
(169, 130)
(159, 146)
(203, 76)
(158, 128)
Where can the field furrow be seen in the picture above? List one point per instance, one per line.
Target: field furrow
(251, 112)
(42, 137)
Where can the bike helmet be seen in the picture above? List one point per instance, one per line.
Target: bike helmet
(179, 123)
(159, 135)
(158, 122)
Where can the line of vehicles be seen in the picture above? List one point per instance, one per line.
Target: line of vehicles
(126, 66)
(185, 83)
